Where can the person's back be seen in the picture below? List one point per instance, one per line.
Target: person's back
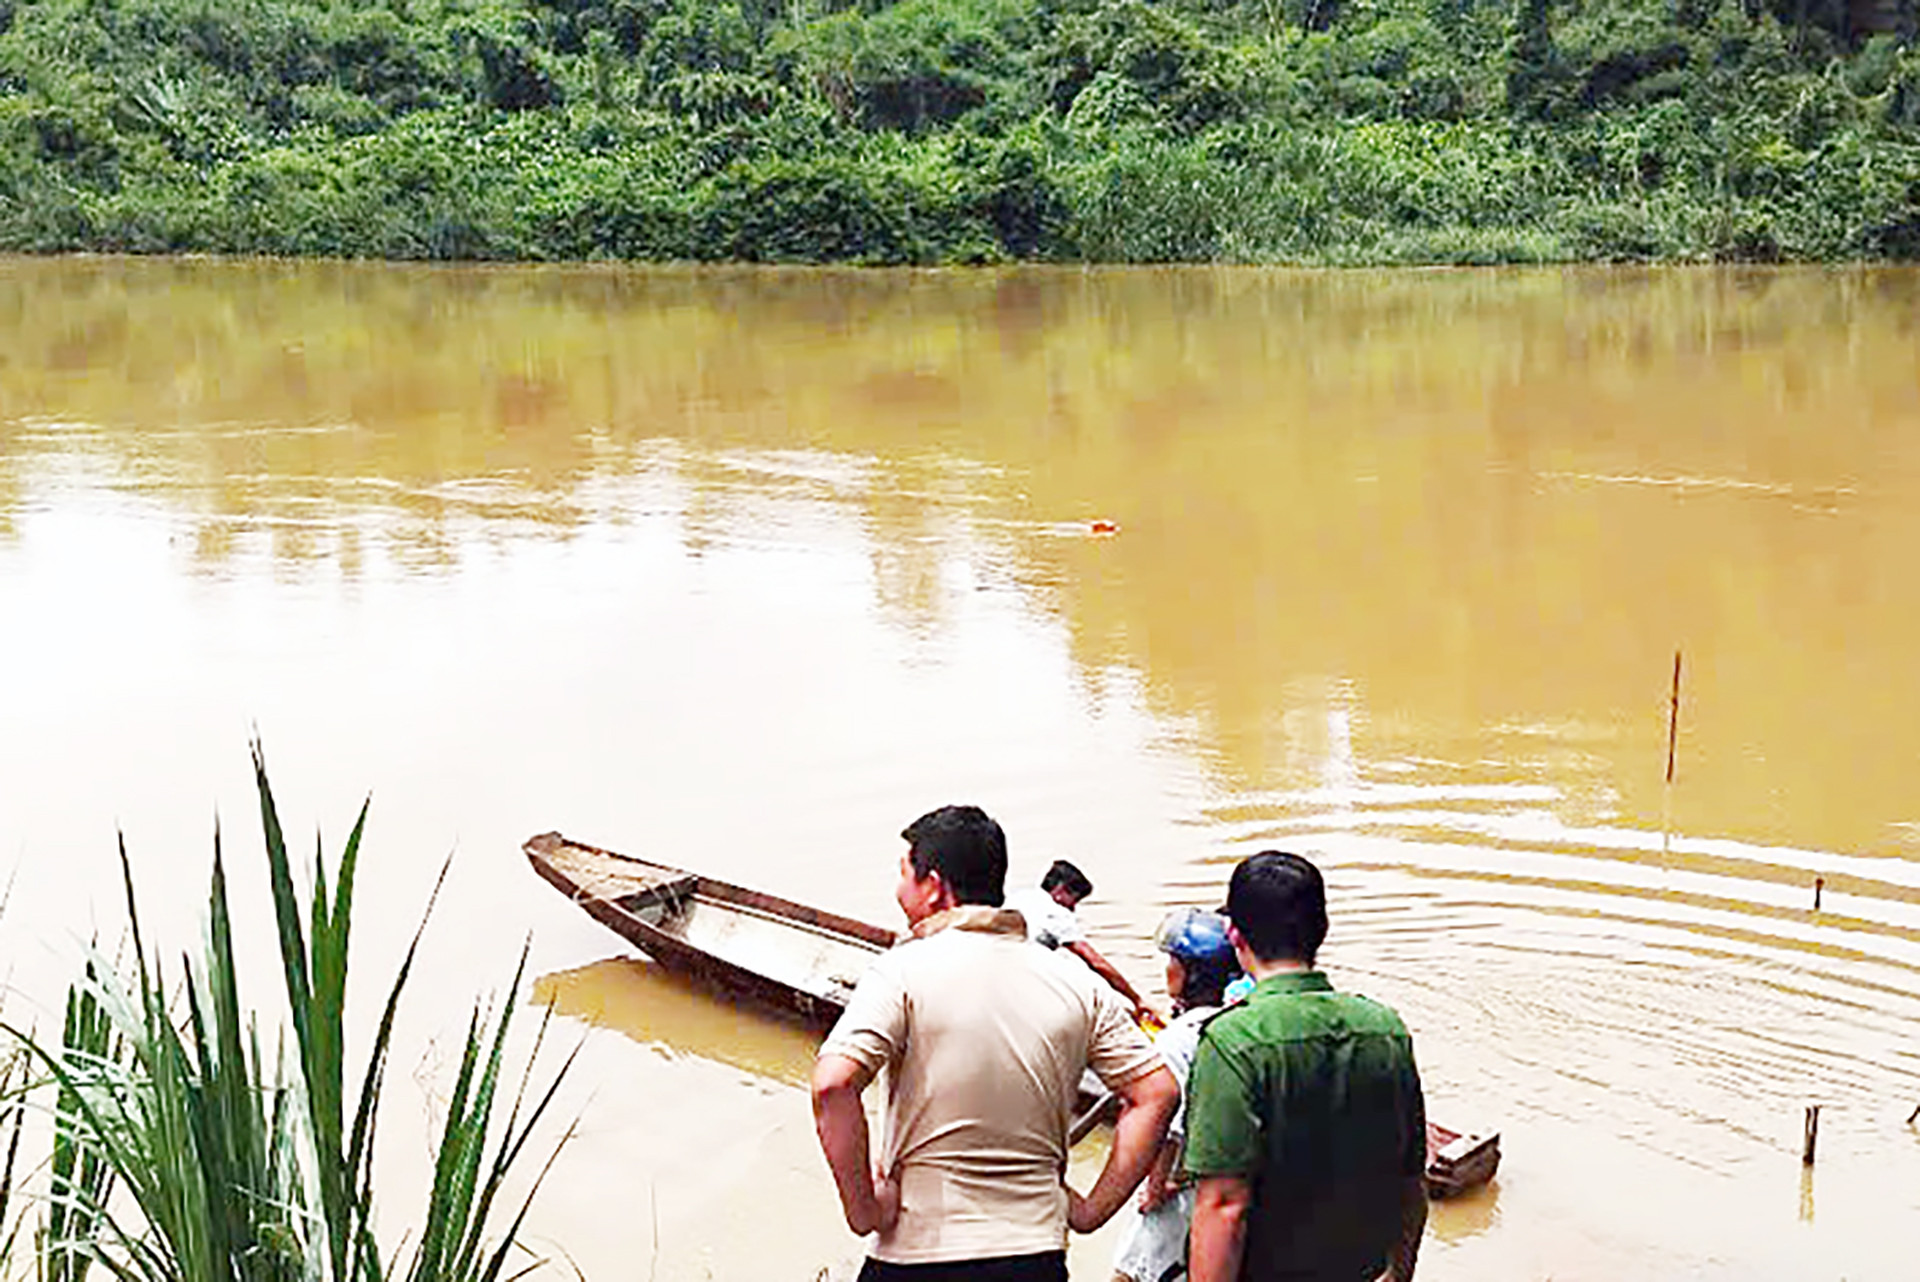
(1332, 1076)
(987, 1039)
(983, 1038)
(1305, 1123)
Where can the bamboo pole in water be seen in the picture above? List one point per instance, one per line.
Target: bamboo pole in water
(1673, 718)
(1673, 740)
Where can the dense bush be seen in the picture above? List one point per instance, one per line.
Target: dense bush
(959, 130)
(918, 65)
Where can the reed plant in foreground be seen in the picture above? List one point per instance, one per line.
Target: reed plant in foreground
(13, 1111)
(184, 1152)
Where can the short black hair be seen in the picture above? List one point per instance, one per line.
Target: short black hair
(1278, 903)
(1065, 874)
(966, 847)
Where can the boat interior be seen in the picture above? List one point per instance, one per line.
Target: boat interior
(803, 949)
(721, 924)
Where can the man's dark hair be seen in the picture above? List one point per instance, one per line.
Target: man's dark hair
(1065, 874)
(1278, 903)
(966, 847)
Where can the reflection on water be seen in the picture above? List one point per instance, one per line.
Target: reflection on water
(678, 1017)
(1402, 560)
(1466, 1216)
(1498, 500)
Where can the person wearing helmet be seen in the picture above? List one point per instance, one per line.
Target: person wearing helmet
(1200, 965)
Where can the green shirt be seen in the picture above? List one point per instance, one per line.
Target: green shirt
(1312, 1096)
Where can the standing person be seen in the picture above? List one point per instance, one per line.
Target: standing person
(1305, 1124)
(1200, 964)
(984, 1039)
(1051, 920)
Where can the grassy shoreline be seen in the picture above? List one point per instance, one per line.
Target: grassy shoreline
(958, 131)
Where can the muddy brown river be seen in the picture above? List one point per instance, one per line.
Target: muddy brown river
(741, 570)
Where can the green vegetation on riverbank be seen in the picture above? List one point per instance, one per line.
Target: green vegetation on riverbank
(1323, 131)
(183, 1149)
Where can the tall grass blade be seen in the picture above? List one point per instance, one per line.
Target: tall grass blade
(314, 960)
(181, 1152)
(13, 1113)
(80, 1177)
(453, 1246)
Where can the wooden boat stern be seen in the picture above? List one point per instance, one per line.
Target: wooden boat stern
(1457, 1162)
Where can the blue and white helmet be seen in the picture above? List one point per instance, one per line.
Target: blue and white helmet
(1196, 936)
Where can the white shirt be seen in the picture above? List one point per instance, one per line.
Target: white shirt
(1151, 1243)
(1049, 921)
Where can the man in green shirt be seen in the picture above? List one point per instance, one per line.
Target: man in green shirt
(1306, 1129)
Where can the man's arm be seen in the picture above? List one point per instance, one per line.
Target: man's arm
(869, 1204)
(1219, 1234)
(1146, 1106)
(1413, 1187)
(1105, 969)
(1163, 1177)
(1413, 1225)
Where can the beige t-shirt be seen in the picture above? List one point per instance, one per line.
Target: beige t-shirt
(984, 1037)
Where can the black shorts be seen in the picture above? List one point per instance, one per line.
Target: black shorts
(1047, 1266)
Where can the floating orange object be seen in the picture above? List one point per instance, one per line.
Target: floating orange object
(1106, 527)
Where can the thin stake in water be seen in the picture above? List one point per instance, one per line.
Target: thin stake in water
(1673, 718)
(1673, 738)
(1812, 1134)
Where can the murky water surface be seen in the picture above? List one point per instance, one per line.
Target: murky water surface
(743, 570)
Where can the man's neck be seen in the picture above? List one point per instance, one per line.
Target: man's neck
(1261, 969)
(975, 917)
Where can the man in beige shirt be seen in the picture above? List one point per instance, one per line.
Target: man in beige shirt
(984, 1038)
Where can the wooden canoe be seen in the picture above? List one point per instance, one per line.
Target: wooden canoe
(805, 962)
(770, 950)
